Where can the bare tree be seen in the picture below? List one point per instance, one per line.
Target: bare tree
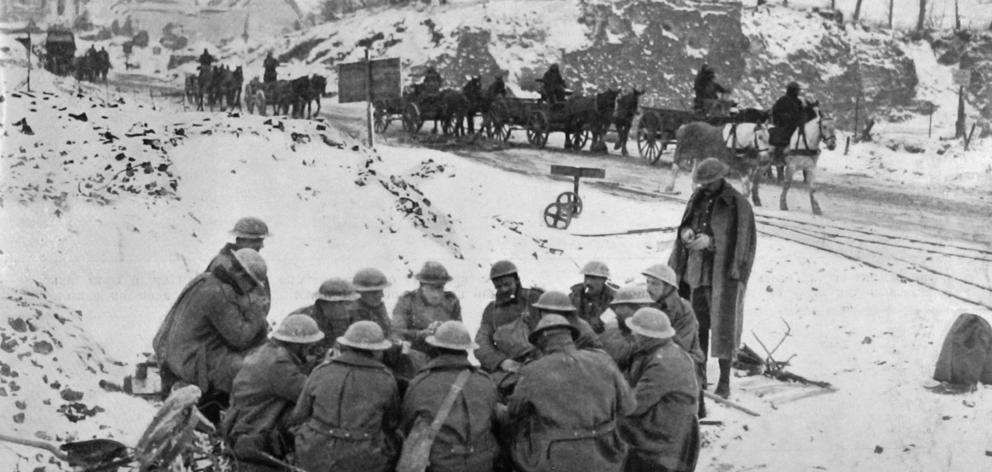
(857, 11)
(923, 15)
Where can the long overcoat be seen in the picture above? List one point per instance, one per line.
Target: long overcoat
(734, 239)
(413, 314)
(564, 411)
(265, 393)
(686, 326)
(261, 294)
(504, 329)
(332, 318)
(349, 410)
(466, 440)
(591, 307)
(663, 430)
(209, 330)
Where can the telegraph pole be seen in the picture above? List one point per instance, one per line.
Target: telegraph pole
(368, 96)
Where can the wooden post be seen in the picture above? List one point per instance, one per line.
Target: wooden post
(857, 108)
(847, 145)
(29, 60)
(957, 17)
(890, 13)
(368, 98)
(967, 139)
(959, 125)
(930, 122)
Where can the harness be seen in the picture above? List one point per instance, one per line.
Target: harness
(731, 141)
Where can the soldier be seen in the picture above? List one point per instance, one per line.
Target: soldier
(592, 297)
(663, 431)
(713, 256)
(506, 323)
(419, 312)
(618, 341)
(557, 303)
(211, 327)
(265, 392)
(350, 408)
(788, 114)
(565, 408)
(553, 85)
(707, 89)
(432, 81)
(498, 87)
(249, 232)
(370, 283)
(466, 439)
(205, 60)
(330, 310)
(269, 65)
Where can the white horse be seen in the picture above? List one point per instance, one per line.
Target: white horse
(743, 147)
(804, 151)
(254, 96)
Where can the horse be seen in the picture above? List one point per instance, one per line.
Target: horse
(255, 96)
(589, 113)
(803, 153)
(742, 146)
(192, 88)
(203, 80)
(300, 95)
(318, 84)
(623, 117)
(453, 110)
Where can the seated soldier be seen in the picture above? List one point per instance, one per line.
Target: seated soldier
(498, 87)
(592, 297)
(330, 311)
(553, 85)
(707, 90)
(432, 82)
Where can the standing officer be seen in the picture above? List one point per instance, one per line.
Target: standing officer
(713, 256)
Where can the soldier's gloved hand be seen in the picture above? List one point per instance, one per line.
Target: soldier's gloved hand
(509, 365)
(687, 235)
(702, 242)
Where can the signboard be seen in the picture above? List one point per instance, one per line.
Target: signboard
(962, 77)
(592, 172)
(353, 80)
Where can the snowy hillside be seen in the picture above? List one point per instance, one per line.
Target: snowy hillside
(106, 218)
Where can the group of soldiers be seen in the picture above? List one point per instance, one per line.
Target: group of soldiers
(340, 384)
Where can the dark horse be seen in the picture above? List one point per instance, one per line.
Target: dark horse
(318, 84)
(481, 101)
(624, 117)
(592, 114)
(453, 112)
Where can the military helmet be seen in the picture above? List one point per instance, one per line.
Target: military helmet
(433, 273)
(554, 301)
(369, 280)
(550, 322)
(336, 290)
(365, 335)
(452, 335)
(251, 261)
(298, 328)
(651, 323)
(710, 170)
(633, 293)
(663, 273)
(554, 66)
(502, 268)
(793, 86)
(251, 228)
(596, 269)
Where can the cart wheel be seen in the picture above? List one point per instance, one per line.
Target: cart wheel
(572, 201)
(580, 139)
(412, 121)
(380, 116)
(537, 132)
(557, 216)
(649, 140)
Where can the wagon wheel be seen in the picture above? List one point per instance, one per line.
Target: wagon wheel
(499, 129)
(537, 131)
(649, 142)
(557, 216)
(412, 120)
(381, 116)
(572, 201)
(580, 139)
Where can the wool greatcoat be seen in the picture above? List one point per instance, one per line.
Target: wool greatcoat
(332, 318)
(504, 329)
(565, 408)
(413, 314)
(683, 319)
(663, 431)
(349, 410)
(209, 330)
(734, 239)
(591, 307)
(265, 393)
(261, 294)
(466, 440)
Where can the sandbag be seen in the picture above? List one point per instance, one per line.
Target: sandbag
(966, 357)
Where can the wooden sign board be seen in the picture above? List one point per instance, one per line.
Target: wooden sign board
(592, 172)
(353, 80)
(962, 77)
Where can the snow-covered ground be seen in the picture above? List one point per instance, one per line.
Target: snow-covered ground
(97, 242)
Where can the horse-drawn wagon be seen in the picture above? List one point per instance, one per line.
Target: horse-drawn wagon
(60, 47)
(536, 117)
(657, 126)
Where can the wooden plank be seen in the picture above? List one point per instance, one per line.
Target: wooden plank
(590, 172)
(353, 80)
(593, 172)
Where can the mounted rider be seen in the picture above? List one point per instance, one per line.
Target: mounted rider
(432, 82)
(788, 114)
(206, 60)
(707, 90)
(553, 85)
(269, 64)
(498, 87)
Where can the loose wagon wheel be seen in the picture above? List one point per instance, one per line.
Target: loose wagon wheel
(412, 121)
(557, 216)
(572, 201)
(381, 116)
(580, 139)
(649, 142)
(537, 129)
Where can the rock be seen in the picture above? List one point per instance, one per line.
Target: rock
(879, 449)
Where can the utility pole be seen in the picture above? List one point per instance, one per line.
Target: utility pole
(890, 13)
(368, 97)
